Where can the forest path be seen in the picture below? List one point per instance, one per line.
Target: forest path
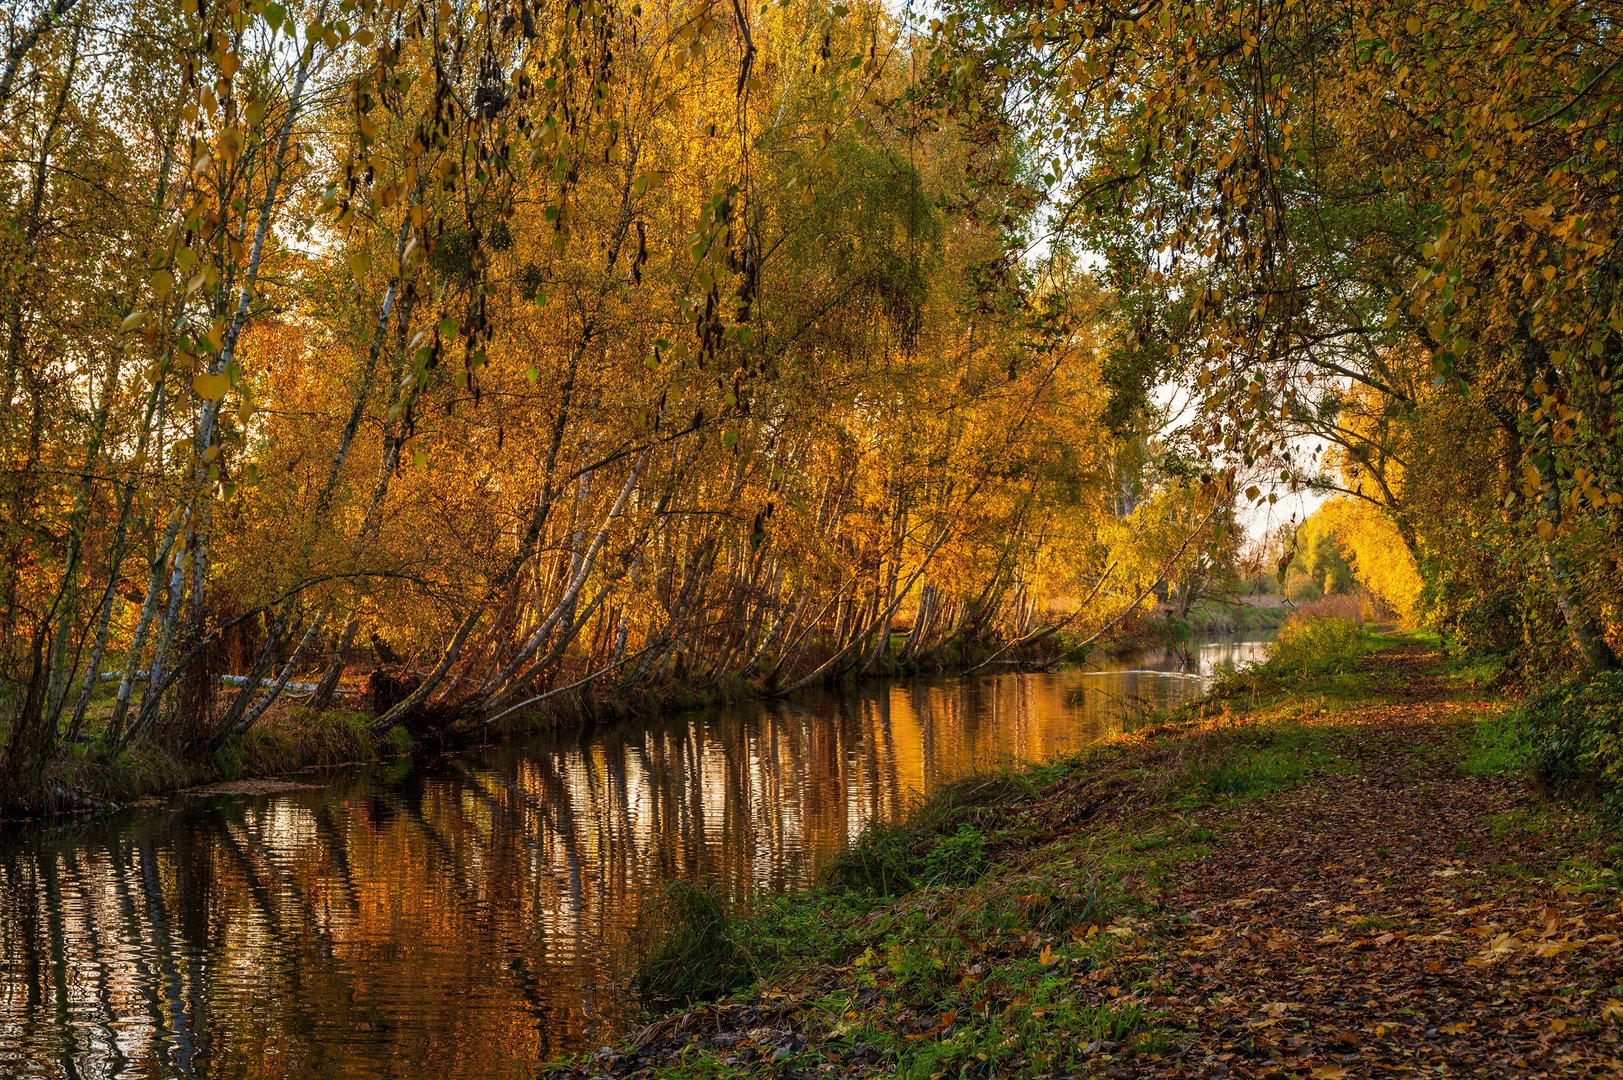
(1396, 914)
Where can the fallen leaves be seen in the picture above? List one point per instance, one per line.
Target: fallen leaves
(1499, 948)
(1371, 909)
(1555, 936)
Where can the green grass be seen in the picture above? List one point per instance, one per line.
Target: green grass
(943, 840)
(1497, 746)
(1259, 761)
(300, 738)
(696, 952)
(1250, 775)
(1477, 671)
(982, 978)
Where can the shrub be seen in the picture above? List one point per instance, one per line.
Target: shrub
(1318, 646)
(1575, 733)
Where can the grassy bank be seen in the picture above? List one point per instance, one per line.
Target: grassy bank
(1335, 864)
(1211, 618)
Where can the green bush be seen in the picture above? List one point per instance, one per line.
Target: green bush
(1575, 733)
(1317, 646)
(957, 858)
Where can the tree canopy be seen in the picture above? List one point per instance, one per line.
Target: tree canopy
(576, 349)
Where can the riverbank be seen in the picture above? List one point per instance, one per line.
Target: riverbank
(292, 738)
(1330, 867)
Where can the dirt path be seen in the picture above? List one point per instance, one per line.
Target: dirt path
(1398, 917)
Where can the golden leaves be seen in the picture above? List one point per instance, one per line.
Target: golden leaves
(211, 387)
(1501, 946)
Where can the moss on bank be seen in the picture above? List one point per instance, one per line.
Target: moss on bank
(1020, 923)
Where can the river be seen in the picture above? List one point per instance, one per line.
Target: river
(463, 917)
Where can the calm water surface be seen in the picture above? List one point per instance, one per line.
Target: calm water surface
(459, 918)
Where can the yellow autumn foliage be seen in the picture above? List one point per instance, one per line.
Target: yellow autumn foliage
(1381, 561)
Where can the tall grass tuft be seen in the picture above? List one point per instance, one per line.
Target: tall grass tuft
(941, 841)
(694, 953)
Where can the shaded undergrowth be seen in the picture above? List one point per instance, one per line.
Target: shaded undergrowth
(695, 951)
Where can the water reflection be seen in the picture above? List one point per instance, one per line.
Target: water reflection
(461, 917)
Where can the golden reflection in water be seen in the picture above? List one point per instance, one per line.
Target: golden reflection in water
(458, 918)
